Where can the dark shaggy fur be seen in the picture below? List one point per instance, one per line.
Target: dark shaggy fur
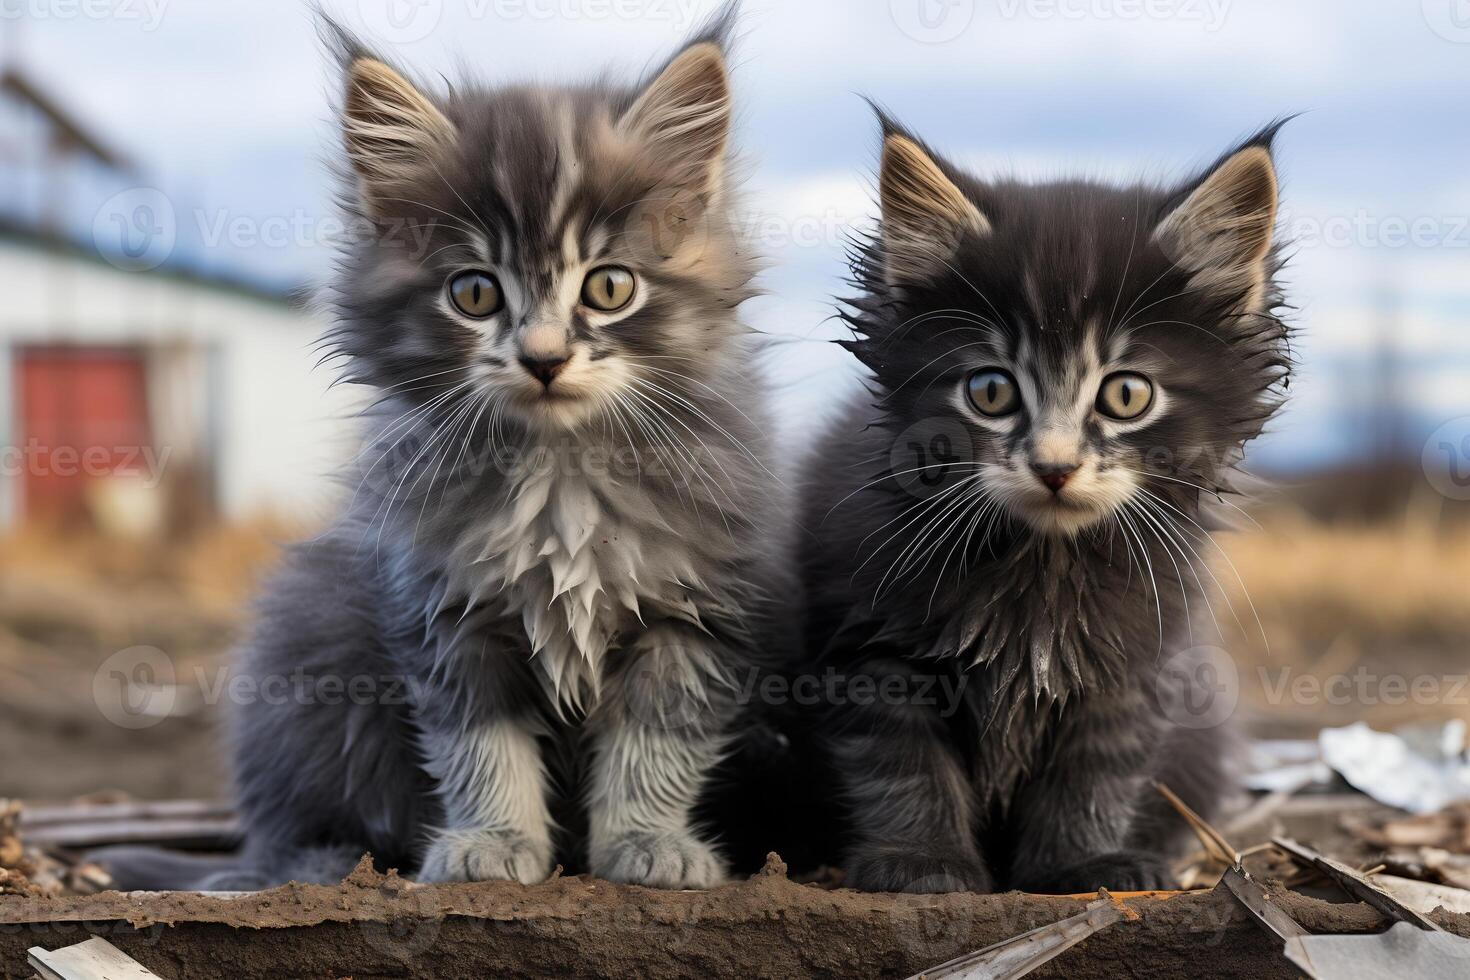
(1071, 626)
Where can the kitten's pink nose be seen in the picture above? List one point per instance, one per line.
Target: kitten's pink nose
(1053, 475)
(544, 369)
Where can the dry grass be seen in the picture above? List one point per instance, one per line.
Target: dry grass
(69, 601)
(1389, 599)
(216, 568)
(1409, 581)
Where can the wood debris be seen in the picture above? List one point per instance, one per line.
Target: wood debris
(28, 869)
(167, 823)
(1355, 884)
(1448, 829)
(95, 959)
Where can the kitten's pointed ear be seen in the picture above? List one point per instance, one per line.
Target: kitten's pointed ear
(1222, 231)
(684, 114)
(924, 214)
(392, 131)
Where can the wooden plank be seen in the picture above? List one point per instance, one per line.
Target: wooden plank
(37, 816)
(212, 832)
(95, 959)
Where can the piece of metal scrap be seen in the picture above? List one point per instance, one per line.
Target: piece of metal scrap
(1019, 955)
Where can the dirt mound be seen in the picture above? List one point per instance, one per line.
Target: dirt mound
(376, 925)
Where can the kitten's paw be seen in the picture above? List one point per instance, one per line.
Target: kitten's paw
(486, 855)
(917, 872)
(660, 860)
(1120, 871)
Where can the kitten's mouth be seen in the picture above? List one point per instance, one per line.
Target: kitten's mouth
(555, 394)
(534, 391)
(555, 407)
(1062, 513)
(1066, 501)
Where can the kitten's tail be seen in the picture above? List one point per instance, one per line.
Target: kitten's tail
(155, 869)
(137, 868)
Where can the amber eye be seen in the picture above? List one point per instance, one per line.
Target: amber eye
(1125, 395)
(993, 392)
(476, 294)
(608, 288)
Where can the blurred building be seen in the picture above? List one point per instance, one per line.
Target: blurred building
(137, 393)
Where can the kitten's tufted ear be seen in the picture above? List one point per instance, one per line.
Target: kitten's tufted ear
(924, 214)
(684, 114)
(392, 131)
(1222, 231)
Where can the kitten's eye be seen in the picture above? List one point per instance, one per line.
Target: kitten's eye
(608, 288)
(993, 392)
(476, 294)
(1125, 396)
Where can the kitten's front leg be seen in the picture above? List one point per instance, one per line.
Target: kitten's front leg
(491, 781)
(1074, 818)
(912, 804)
(657, 733)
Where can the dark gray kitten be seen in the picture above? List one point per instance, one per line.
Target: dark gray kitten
(1007, 563)
(564, 539)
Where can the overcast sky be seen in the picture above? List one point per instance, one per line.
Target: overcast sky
(224, 107)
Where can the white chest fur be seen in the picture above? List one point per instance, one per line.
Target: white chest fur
(582, 571)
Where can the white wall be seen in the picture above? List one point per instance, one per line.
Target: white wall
(281, 432)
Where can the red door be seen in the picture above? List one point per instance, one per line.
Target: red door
(83, 416)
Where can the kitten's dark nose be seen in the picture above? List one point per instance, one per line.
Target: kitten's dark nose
(1054, 475)
(544, 369)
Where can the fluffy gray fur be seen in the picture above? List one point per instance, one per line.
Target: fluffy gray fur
(546, 588)
(1071, 614)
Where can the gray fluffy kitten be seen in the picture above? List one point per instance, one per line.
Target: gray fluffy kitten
(1060, 375)
(562, 543)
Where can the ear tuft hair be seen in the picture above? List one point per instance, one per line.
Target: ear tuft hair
(1222, 231)
(924, 214)
(684, 115)
(392, 132)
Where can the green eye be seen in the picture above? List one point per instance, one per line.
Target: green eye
(476, 294)
(1125, 395)
(993, 392)
(608, 288)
